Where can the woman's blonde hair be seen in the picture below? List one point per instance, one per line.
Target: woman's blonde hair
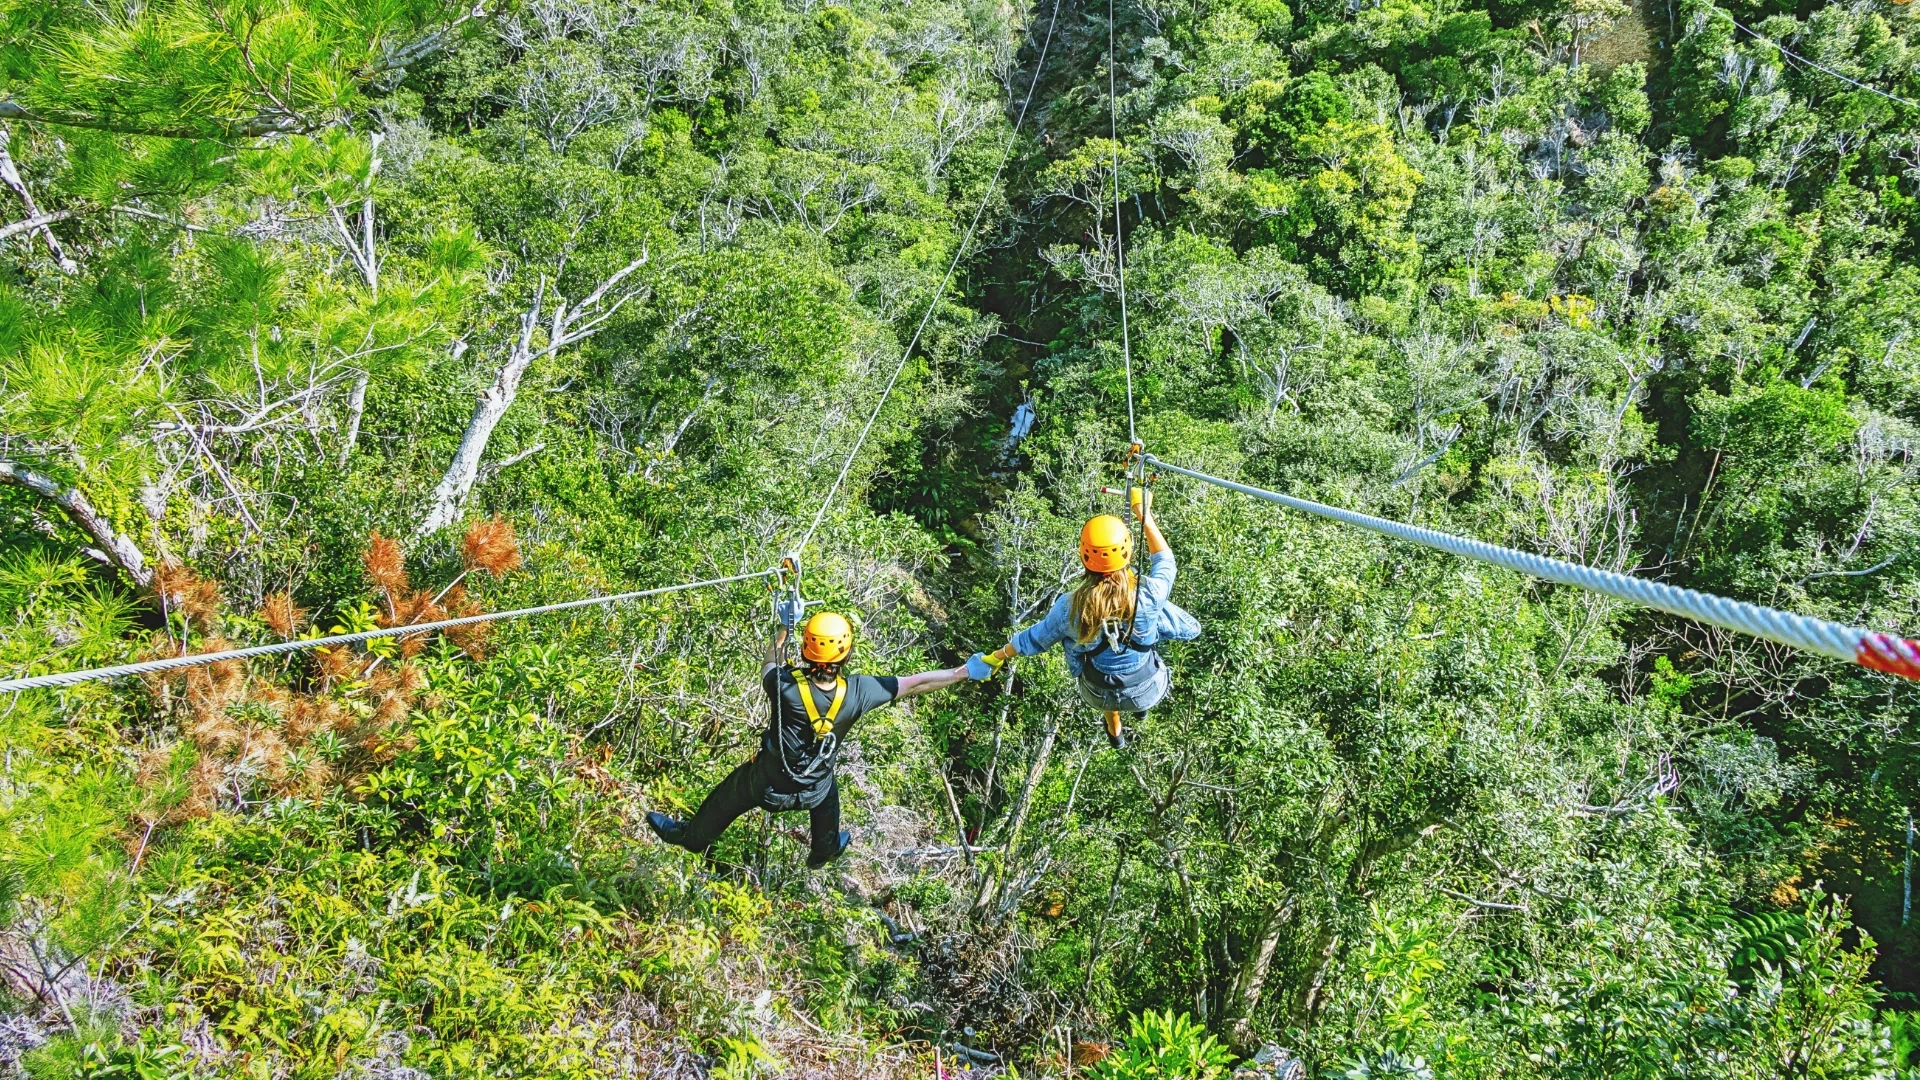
(1100, 598)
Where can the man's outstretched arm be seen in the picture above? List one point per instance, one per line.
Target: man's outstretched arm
(928, 681)
(776, 650)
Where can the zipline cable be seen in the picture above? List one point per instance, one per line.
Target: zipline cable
(1119, 237)
(1790, 54)
(1880, 652)
(68, 678)
(959, 252)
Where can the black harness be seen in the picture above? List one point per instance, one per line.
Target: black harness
(1120, 641)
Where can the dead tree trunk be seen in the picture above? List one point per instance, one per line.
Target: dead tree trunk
(356, 409)
(568, 325)
(10, 175)
(110, 546)
(360, 249)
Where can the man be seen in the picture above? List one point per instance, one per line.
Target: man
(814, 707)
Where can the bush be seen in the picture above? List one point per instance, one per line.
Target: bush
(1163, 1046)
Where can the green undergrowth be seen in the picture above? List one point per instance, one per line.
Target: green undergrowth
(483, 904)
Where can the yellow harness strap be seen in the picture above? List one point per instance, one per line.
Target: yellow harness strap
(821, 724)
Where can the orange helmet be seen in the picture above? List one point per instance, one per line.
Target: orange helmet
(1105, 544)
(827, 639)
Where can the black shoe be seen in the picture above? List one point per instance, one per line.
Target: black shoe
(1118, 742)
(815, 862)
(669, 829)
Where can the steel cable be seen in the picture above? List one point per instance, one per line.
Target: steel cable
(68, 678)
(1881, 652)
(1119, 236)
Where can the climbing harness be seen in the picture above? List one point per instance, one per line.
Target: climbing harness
(1880, 652)
(822, 725)
(1138, 676)
(825, 741)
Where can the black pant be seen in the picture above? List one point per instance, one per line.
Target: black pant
(745, 788)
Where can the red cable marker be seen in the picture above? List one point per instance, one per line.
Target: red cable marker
(1893, 655)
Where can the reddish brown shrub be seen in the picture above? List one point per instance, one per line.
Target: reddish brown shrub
(182, 590)
(282, 615)
(386, 564)
(490, 545)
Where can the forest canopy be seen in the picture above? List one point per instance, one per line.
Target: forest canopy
(322, 317)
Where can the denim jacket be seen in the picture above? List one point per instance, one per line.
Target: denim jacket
(1156, 618)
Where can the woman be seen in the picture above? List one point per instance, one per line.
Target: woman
(1112, 624)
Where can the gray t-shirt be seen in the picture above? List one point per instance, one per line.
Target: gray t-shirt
(801, 761)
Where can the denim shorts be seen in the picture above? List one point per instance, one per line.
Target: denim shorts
(1130, 699)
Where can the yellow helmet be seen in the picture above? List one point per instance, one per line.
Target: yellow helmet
(827, 639)
(1106, 545)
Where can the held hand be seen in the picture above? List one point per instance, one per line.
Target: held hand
(790, 611)
(980, 668)
(1141, 500)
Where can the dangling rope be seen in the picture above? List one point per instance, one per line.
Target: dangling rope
(68, 678)
(959, 252)
(1881, 652)
(1119, 239)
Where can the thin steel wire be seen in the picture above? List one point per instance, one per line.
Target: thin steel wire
(959, 252)
(68, 678)
(1119, 237)
(1799, 631)
(1757, 36)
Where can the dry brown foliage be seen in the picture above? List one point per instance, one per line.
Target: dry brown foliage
(386, 564)
(338, 664)
(1088, 1054)
(251, 730)
(415, 607)
(282, 615)
(490, 545)
(182, 590)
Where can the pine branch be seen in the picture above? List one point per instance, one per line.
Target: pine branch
(38, 221)
(281, 120)
(10, 175)
(253, 127)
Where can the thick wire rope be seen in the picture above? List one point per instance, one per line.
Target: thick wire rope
(1789, 53)
(959, 252)
(1882, 652)
(1119, 238)
(68, 678)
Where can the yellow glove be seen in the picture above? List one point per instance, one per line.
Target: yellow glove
(1000, 656)
(1141, 500)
